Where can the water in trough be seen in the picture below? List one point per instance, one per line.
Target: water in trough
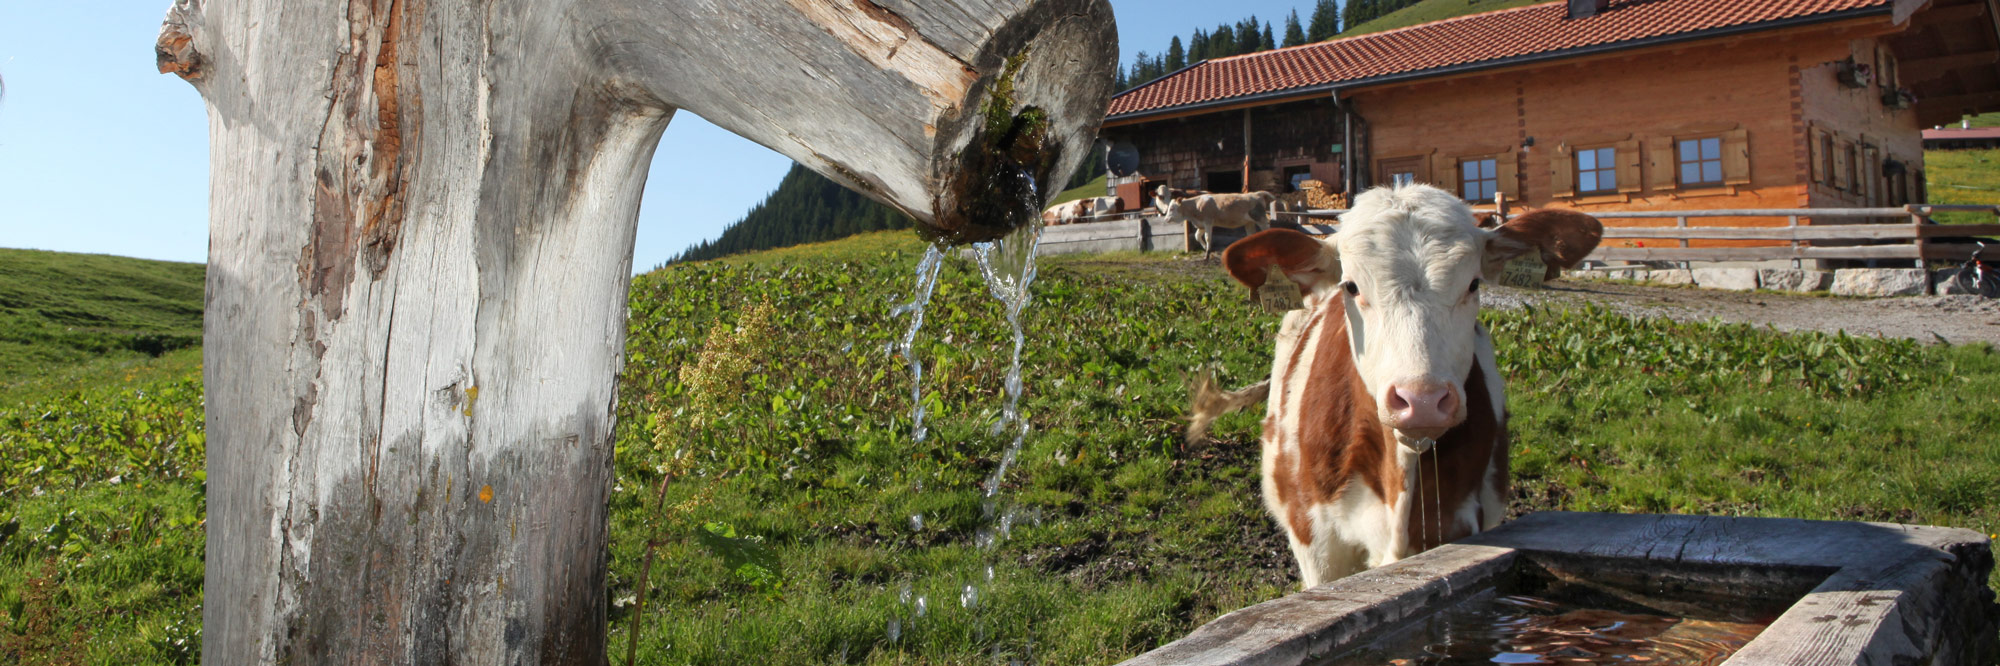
(1501, 628)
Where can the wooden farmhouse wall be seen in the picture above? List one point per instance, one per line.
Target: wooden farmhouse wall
(1860, 151)
(1743, 94)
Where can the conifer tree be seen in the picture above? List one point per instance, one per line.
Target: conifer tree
(1267, 43)
(1198, 46)
(1176, 58)
(1294, 33)
(1222, 42)
(1325, 21)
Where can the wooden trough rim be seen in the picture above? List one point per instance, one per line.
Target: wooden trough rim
(1888, 599)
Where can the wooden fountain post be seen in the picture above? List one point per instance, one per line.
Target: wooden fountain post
(422, 215)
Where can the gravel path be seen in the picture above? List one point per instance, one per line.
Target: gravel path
(1956, 319)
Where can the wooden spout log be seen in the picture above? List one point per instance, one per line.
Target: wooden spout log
(422, 215)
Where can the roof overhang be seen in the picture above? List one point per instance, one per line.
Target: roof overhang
(1949, 57)
(1326, 89)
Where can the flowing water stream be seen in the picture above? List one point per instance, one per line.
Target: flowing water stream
(1007, 266)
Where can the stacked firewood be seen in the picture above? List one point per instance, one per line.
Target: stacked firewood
(1318, 196)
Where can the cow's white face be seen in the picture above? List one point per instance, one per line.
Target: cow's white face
(1174, 211)
(1407, 266)
(1410, 263)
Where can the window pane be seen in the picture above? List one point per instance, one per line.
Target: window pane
(1486, 169)
(1608, 179)
(1690, 150)
(1711, 172)
(1711, 149)
(1587, 181)
(1472, 190)
(1690, 173)
(1586, 160)
(1486, 189)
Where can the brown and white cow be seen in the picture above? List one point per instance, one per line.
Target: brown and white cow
(1087, 209)
(1385, 432)
(1209, 212)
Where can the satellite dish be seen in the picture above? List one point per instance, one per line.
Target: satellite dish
(1122, 159)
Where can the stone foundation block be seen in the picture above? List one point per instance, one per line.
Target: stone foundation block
(1783, 279)
(1672, 277)
(1878, 282)
(1732, 279)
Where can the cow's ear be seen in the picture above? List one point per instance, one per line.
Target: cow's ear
(1307, 261)
(1562, 238)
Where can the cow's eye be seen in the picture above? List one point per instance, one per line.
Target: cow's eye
(1474, 289)
(1352, 289)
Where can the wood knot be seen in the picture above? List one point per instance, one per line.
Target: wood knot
(175, 53)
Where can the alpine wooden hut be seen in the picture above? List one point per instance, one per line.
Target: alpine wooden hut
(1591, 104)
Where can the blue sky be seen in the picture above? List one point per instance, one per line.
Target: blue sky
(98, 153)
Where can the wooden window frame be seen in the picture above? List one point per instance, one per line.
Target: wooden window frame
(1460, 186)
(1576, 164)
(1418, 166)
(1700, 162)
(1829, 177)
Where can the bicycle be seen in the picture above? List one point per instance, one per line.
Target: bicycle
(1978, 276)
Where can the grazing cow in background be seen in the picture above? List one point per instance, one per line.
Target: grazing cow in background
(1385, 432)
(1066, 212)
(1070, 212)
(1101, 206)
(1227, 211)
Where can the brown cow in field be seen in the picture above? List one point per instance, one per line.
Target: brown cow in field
(1385, 430)
(1227, 211)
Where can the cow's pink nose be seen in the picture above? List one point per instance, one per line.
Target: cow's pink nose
(1422, 406)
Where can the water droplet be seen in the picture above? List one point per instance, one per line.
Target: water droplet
(916, 522)
(989, 573)
(923, 606)
(969, 598)
(895, 630)
(904, 595)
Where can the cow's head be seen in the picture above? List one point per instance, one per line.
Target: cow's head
(1407, 266)
(1173, 211)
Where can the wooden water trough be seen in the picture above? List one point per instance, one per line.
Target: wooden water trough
(1852, 593)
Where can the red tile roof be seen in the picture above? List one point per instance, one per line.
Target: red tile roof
(1490, 38)
(1954, 133)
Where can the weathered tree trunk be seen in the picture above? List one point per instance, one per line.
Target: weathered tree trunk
(421, 234)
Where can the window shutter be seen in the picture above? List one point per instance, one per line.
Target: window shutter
(1628, 166)
(1562, 171)
(1507, 167)
(1444, 174)
(1660, 172)
(1736, 157)
(1814, 156)
(1871, 175)
(1840, 176)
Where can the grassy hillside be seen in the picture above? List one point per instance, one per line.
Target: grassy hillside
(1433, 10)
(805, 522)
(1963, 177)
(1092, 188)
(62, 314)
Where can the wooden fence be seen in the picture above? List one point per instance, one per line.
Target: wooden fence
(1835, 233)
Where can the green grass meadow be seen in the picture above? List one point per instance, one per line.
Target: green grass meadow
(803, 523)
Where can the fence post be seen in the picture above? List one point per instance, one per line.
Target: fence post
(1918, 215)
(1797, 263)
(1681, 222)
